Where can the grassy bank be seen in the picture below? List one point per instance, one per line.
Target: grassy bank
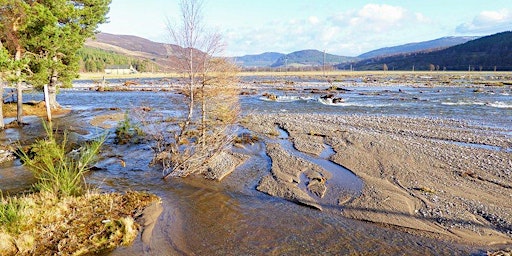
(42, 224)
(99, 76)
(31, 109)
(63, 216)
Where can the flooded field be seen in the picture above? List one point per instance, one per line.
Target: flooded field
(231, 217)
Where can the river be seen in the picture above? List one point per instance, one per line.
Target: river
(232, 218)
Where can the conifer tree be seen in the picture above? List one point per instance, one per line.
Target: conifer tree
(13, 16)
(60, 28)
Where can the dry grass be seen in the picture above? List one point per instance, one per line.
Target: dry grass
(99, 75)
(370, 72)
(33, 109)
(75, 225)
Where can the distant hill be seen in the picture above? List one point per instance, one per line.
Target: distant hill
(436, 44)
(485, 53)
(163, 55)
(259, 60)
(96, 60)
(310, 58)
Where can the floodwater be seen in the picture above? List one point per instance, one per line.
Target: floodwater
(232, 218)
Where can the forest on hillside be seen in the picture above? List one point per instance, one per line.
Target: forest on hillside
(95, 60)
(490, 53)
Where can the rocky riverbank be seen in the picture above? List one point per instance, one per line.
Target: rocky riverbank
(439, 178)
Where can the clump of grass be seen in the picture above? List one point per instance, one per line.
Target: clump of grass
(273, 133)
(57, 171)
(246, 138)
(11, 214)
(128, 132)
(426, 190)
(270, 96)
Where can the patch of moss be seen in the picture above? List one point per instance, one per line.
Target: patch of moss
(75, 225)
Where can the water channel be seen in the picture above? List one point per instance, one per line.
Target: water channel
(232, 218)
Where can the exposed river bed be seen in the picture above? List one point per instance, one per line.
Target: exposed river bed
(231, 217)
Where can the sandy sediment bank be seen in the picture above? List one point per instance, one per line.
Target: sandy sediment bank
(440, 178)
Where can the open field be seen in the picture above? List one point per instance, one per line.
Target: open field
(368, 77)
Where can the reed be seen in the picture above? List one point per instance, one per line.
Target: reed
(57, 171)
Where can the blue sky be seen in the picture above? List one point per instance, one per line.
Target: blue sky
(344, 27)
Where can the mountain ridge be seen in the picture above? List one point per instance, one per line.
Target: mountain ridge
(492, 52)
(439, 43)
(265, 59)
(165, 55)
(310, 57)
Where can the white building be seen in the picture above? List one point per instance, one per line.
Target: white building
(120, 70)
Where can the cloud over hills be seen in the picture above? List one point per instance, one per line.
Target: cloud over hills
(488, 22)
(349, 32)
(347, 28)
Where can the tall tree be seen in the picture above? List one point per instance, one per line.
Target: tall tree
(4, 63)
(13, 16)
(212, 102)
(59, 29)
(42, 38)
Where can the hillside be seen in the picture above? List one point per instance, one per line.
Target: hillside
(95, 60)
(486, 53)
(310, 58)
(315, 58)
(436, 44)
(259, 60)
(162, 55)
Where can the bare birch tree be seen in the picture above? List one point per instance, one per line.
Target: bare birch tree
(211, 96)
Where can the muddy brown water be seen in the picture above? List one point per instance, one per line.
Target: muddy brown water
(221, 218)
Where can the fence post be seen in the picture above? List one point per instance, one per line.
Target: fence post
(47, 103)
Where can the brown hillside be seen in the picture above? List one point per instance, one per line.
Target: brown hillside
(162, 54)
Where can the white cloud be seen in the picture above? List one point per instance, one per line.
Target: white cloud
(347, 33)
(422, 18)
(377, 25)
(313, 20)
(378, 16)
(488, 22)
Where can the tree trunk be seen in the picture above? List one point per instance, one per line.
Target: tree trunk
(19, 97)
(192, 85)
(52, 97)
(19, 90)
(191, 91)
(203, 116)
(2, 124)
(48, 109)
(52, 89)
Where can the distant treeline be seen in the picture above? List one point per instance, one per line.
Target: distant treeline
(95, 60)
(487, 53)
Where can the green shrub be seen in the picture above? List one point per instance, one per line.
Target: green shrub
(57, 171)
(128, 132)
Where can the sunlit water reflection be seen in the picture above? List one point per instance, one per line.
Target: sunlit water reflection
(231, 217)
